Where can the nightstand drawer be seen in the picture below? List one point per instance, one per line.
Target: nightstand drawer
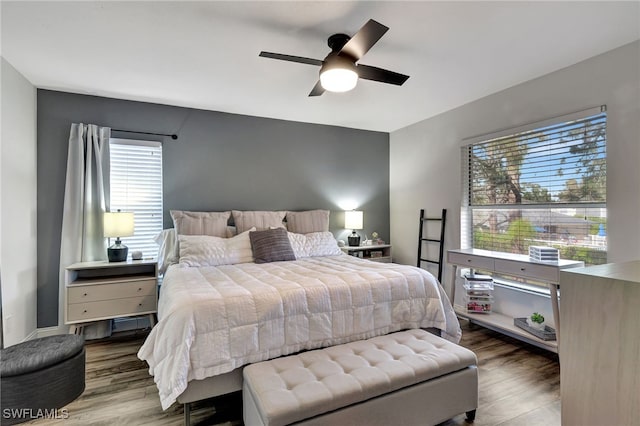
(108, 309)
(532, 270)
(471, 261)
(122, 290)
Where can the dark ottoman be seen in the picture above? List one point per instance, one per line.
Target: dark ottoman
(39, 376)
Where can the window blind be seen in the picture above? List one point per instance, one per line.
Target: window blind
(544, 185)
(136, 186)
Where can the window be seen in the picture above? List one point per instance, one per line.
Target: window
(544, 184)
(136, 186)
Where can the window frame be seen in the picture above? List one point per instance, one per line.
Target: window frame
(146, 229)
(467, 207)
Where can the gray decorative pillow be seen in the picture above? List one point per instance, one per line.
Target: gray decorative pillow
(271, 245)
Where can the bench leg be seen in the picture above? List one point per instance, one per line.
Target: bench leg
(471, 416)
(187, 414)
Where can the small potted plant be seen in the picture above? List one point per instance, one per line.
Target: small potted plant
(536, 321)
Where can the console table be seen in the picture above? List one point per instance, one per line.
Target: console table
(517, 265)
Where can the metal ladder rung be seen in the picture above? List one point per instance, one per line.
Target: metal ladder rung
(430, 218)
(430, 261)
(431, 240)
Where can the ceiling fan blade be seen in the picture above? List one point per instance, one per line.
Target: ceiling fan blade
(290, 58)
(364, 39)
(378, 74)
(317, 89)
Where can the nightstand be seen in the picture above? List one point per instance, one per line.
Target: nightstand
(377, 253)
(104, 290)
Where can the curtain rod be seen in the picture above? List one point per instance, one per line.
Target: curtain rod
(173, 136)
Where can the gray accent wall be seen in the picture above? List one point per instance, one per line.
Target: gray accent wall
(220, 162)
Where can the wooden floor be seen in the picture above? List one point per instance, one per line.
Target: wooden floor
(519, 385)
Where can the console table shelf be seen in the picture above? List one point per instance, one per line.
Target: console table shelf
(504, 324)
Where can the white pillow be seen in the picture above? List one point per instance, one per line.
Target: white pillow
(206, 250)
(168, 252)
(314, 244)
(167, 249)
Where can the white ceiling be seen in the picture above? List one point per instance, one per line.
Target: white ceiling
(205, 54)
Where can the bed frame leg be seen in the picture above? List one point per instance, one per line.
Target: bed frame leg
(187, 413)
(471, 416)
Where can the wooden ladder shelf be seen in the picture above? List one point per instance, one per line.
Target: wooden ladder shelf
(423, 239)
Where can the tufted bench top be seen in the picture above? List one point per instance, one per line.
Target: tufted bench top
(39, 353)
(297, 387)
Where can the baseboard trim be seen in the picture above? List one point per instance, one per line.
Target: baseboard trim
(52, 331)
(31, 336)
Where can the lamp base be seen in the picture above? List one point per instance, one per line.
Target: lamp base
(117, 252)
(354, 240)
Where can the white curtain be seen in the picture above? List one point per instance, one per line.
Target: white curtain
(86, 196)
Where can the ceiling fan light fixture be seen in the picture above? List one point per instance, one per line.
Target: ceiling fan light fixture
(338, 70)
(338, 74)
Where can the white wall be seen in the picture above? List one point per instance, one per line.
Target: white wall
(425, 157)
(18, 206)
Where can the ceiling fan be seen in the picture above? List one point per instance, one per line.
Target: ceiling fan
(339, 71)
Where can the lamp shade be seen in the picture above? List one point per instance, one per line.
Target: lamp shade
(353, 219)
(118, 224)
(338, 74)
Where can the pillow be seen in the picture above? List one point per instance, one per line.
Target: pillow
(231, 231)
(259, 219)
(271, 245)
(308, 221)
(205, 250)
(200, 223)
(167, 249)
(314, 244)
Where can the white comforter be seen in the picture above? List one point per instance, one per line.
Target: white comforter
(215, 319)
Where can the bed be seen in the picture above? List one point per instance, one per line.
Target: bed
(223, 306)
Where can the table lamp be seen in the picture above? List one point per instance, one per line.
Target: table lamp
(353, 221)
(118, 224)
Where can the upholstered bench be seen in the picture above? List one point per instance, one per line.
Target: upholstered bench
(406, 378)
(39, 376)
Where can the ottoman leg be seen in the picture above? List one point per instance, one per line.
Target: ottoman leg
(471, 416)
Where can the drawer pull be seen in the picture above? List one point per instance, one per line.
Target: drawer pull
(85, 294)
(140, 289)
(523, 269)
(84, 312)
(140, 304)
(469, 260)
